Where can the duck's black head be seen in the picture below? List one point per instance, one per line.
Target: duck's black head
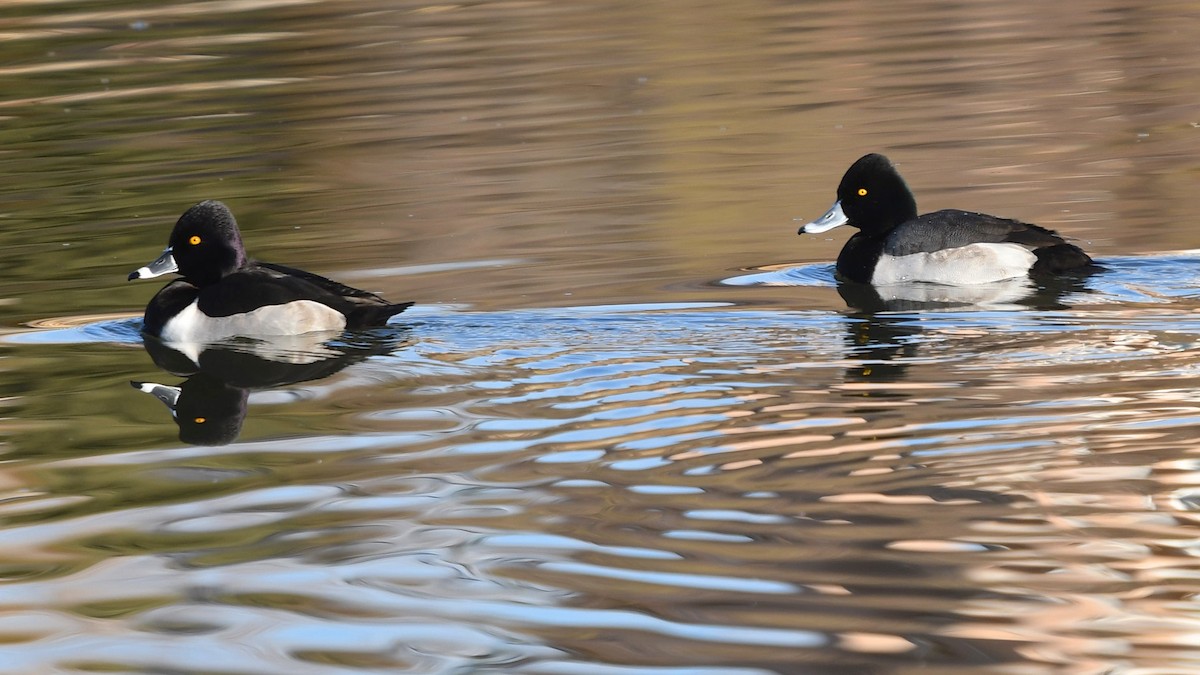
(874, 197)
(206, 243)
(204, 247)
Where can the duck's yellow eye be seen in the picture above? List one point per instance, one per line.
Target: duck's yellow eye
(199, 420)
(862, 192)
(196, 239)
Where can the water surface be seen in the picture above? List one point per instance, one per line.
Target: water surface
(633, 424)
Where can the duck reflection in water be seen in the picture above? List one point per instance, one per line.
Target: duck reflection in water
(884, 333)
(1008, 294)
(210, 405)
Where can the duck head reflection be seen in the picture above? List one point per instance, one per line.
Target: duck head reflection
(209, 406)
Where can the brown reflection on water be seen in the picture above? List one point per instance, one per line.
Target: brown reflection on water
(617, 149)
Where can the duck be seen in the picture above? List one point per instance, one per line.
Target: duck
(222, 293)
(894, 245)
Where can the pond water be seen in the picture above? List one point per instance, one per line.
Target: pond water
(632, 425)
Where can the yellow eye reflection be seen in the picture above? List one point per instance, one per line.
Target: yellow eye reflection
(862, 192)
(199, 420)
(195, 239)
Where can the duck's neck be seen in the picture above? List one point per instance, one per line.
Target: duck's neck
(904, 209)
(229, 261)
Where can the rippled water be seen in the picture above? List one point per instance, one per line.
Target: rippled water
(633, 425)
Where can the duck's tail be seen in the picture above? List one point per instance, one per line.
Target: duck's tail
(1061, 258)
(365, 316)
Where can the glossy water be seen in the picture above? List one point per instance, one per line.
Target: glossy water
(632, 425)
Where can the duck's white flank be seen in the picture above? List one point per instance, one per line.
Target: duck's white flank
(971, 264)
(294, 318)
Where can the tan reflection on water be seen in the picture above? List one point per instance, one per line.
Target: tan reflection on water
(692, 496)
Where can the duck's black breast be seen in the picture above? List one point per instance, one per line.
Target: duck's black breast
(169, 301)
(858, 258)
(952, 228)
